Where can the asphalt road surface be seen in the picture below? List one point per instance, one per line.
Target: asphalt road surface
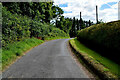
(51, 59)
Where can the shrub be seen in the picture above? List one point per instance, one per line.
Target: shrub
(14, 27)
(44, 30)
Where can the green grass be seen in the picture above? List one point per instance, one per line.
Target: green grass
(11, 52)
(109, 65)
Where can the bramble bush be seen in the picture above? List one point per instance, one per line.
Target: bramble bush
(14, 27)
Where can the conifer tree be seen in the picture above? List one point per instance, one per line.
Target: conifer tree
(78, 25)
(89, 23)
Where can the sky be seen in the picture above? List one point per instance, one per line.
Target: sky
(107, 9)
(119, 10)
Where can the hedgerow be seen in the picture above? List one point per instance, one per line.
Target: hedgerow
(104, 37)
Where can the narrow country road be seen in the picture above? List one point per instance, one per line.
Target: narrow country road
(51, 59)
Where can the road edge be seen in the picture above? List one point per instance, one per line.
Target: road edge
(92, 66)
(89, 74)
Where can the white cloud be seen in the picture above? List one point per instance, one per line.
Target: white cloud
(87, 7)
(119, 11)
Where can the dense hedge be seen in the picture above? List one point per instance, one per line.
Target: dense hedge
(103, 37)
(17, 27)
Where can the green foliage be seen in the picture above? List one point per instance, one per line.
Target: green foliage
(35, 29)
(105, 37)
(14, 27)
(106, 34)
(57, 11)
(78, 25)
(17, 27)
(13, 50)
(57, 33)
(73, 30)
(41, 30)
(82, 24)
(40, 11)
(64, 24)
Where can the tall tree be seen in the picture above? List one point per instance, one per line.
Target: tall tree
(82, 25)
(90, 23)
(78, 26)
(73, 29)
(57, 12)
(48, 12)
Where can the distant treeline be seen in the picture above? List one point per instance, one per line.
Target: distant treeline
(78, 25)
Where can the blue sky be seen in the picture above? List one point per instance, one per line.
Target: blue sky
(108, 5)
(108, 9)
(65, 5)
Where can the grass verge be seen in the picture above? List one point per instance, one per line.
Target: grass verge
(104, 67)
(14, 50)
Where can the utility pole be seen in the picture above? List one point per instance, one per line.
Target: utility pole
(96, 14)
(80, 21)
